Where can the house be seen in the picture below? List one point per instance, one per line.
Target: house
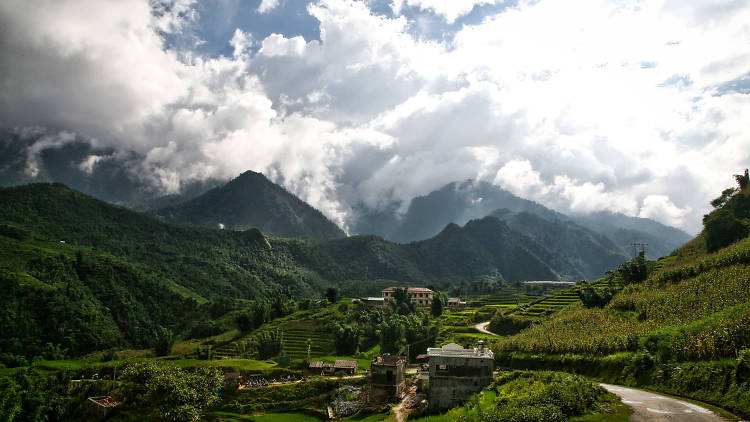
(388, 381)
(420, 295)
(350, 366)
(328, 368)
(372, 301)
(455, 373)
(97, 408)
(320, 368)
(456, 302)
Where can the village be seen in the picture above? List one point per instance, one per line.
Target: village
(435, 379)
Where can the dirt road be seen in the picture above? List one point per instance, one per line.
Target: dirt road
(652, 407)
(482, 328)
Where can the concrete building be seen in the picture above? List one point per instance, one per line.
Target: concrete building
(420, 295)
(456, 373)
(388, 378)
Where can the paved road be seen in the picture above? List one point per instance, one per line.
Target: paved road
(652, 407)
(482, 328)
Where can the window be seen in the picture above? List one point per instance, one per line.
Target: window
(389, 376)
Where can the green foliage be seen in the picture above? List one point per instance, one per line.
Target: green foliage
(163, 341)
(439, 301)
(730, 221)
(332, 294)
(280, 398)
(633, 271)
(171, 393)
(532, 396)
(596, 297)
(723, 228)
(742, 367)
(345, 338)
(509, 324)
(10, 400)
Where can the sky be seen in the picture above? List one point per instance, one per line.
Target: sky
(639, 107)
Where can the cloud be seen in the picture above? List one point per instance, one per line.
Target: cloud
(450, 10)
(661, 208)
(267, 5)
(580, 106)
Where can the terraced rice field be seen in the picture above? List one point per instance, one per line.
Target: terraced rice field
(295, 341)
(556, 302)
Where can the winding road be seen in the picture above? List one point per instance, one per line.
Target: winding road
(482, 328)
(650, 407)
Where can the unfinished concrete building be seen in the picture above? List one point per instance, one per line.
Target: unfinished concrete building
(388, 378)
(456, 373)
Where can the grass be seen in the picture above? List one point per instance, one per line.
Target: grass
(241, 364)
(264, 417)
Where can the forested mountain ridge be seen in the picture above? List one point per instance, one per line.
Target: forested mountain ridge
(459, 202)
(79, 274)
(252, 201)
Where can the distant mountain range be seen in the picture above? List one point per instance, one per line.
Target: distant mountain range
(460, 202)
(253, 201)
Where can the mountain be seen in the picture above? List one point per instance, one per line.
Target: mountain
(625, 231)
(577, 252)
(460, 202)
(456, 202)
(253, 201)
(78, 274)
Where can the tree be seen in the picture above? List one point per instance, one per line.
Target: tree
(726, 195)
(245, 321)
(595, 296)
(436, 308)
(742, 179)
(332, 294)
(174, 394)
(345, 338)
(633, 271)
(163, 341)
(722, 229)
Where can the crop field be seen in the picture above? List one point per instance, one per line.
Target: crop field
(699, 310)
(295, 338)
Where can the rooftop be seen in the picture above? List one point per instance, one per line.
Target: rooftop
(455, 350)
(410, 289)
(345, 364)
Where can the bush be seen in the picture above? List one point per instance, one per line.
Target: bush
(742, 367)
(596, 297)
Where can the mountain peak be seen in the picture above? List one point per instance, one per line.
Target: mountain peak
(252, 201)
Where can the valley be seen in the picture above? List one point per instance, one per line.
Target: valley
(99, 300)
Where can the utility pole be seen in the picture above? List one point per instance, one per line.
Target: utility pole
(643, 248)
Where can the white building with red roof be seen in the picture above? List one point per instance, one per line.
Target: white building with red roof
(422, 296)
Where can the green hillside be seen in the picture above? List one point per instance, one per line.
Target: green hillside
(690, 317)
(79, 274)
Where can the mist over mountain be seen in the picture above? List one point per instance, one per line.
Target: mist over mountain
(252, 201)
(459, 202)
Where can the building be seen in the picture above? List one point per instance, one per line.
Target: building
(349, 366)
(328, 368)
(372, 301)
(420, 295)
(388, 379)
(456, 302)
(456, 373)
